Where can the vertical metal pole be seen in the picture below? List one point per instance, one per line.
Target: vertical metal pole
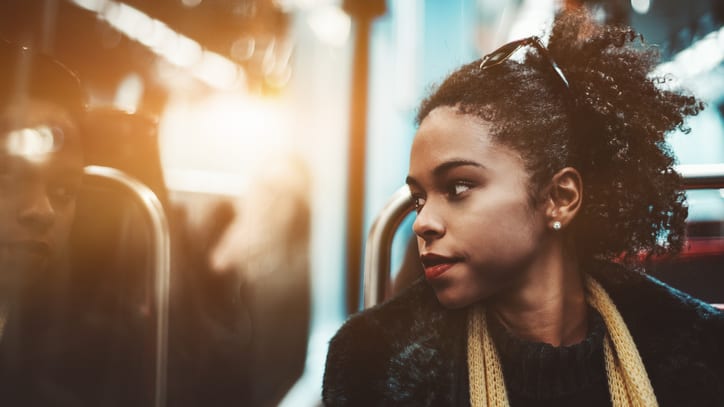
(363, 13)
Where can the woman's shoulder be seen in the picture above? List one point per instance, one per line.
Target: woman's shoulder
(393, 352)
(677, 335)
(371, 334)
(659, 314)
(643, 297)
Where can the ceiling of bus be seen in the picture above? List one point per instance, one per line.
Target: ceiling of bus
(85, 43)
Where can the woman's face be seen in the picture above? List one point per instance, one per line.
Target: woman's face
(478, 231)
(41, 167)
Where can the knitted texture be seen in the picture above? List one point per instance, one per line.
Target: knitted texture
(628, 382)
(3, 319)
(483, 357)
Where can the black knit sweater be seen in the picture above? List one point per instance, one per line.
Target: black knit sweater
(539, 374)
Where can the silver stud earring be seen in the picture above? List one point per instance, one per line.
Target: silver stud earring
(556, 226)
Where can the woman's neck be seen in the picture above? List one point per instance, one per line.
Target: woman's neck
(548, 305)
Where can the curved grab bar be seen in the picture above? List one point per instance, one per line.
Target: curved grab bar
(162, 262)
(379, 239)
(379, 245)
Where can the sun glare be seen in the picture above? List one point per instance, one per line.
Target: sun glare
(215, 144)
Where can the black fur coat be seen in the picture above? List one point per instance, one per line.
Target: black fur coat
(411, 351)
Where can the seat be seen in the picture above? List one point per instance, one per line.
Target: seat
(120, 252)
(118, 291)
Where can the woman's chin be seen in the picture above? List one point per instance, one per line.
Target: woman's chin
(454, 300)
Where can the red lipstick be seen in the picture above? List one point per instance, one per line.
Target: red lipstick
(435, 264)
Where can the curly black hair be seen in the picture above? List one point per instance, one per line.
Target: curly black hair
(609, 124)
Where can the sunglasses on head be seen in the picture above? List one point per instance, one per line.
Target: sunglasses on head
(503, 53)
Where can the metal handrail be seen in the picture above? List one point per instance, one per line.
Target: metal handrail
(379, 245)
(702, 176)
(162, 262)
(379, 239)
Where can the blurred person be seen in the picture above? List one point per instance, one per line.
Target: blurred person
(538, 184)
(275, 202)
(41, 164)
(64, 342)
(266, 248)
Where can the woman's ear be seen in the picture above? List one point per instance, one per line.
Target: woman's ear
(564, 200)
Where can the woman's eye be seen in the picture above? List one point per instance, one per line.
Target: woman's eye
(459, 187)
(63, 193)
(418, 201)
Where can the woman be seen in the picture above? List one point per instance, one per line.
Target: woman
(41, 166)
(533, 182)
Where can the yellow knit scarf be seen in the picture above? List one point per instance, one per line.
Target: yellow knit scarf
(3, 319)
(628, 382)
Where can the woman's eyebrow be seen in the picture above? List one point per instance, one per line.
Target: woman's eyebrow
(411, 181)
(448, 165)
(445, 167)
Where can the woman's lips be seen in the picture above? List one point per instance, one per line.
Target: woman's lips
(30, 246)
(26, 252)
(436, 271)
(435, 264)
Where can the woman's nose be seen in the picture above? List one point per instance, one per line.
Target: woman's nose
(37, 212)
(428, 225)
